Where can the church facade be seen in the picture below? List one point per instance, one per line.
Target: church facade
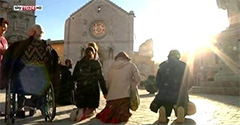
(19, 21)
(103, 22)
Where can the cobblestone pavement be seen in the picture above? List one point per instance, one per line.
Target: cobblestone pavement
(211, 110)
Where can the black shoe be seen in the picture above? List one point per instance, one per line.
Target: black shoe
(42, 109)
(32, 112)
(20, 114)
(2, 114)
(29, 103)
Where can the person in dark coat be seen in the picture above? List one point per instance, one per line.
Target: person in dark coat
(172, 80)
(66, 93)
(88, 75)
(20, 56)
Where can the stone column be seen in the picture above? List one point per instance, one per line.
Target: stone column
(233, 9)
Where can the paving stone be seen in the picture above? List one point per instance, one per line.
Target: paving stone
(211, 110)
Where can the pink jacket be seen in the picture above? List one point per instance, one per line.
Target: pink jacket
(3, 46)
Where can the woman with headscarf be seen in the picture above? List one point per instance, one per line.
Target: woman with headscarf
(95, 46)
(88, 75)
(121, 76)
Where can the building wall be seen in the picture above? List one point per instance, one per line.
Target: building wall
(221, 64)
(205, 66)
(143, 60)
(19, 21)
(58, 46)
(118, 28)
(146, 49)
(145, 65)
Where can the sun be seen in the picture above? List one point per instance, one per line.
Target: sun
(186, 27)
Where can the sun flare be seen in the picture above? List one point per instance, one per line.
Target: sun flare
(185, 28)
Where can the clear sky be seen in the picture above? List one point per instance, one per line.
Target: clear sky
(172, 24)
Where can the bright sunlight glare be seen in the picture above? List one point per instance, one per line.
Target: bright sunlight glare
(186, 25)
(227, 60)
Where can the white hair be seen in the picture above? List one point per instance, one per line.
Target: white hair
(38, 29)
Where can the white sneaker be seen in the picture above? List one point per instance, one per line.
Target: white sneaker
(180, 115)
(162, 115)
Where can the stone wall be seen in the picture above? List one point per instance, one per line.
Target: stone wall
(143, 60)
(19, 21)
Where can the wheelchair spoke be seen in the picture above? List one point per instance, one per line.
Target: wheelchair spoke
(49, 106)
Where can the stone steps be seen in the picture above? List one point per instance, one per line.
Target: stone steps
(221, 88)
(219, 84)
(216, 90)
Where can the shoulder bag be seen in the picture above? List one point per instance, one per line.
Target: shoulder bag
(134, 98)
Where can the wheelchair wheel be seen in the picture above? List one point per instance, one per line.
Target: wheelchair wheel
(50, 105)
(10, 105)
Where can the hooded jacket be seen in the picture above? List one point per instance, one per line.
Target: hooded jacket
(121, 75)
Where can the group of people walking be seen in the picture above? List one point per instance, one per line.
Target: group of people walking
(82, 86)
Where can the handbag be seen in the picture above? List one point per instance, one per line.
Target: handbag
(134, 98)
(191, 108)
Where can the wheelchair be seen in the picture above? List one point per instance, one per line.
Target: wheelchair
(30, 82)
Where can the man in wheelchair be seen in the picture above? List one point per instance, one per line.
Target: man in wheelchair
(31, 66)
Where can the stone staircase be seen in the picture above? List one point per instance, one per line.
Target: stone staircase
(221, 88)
